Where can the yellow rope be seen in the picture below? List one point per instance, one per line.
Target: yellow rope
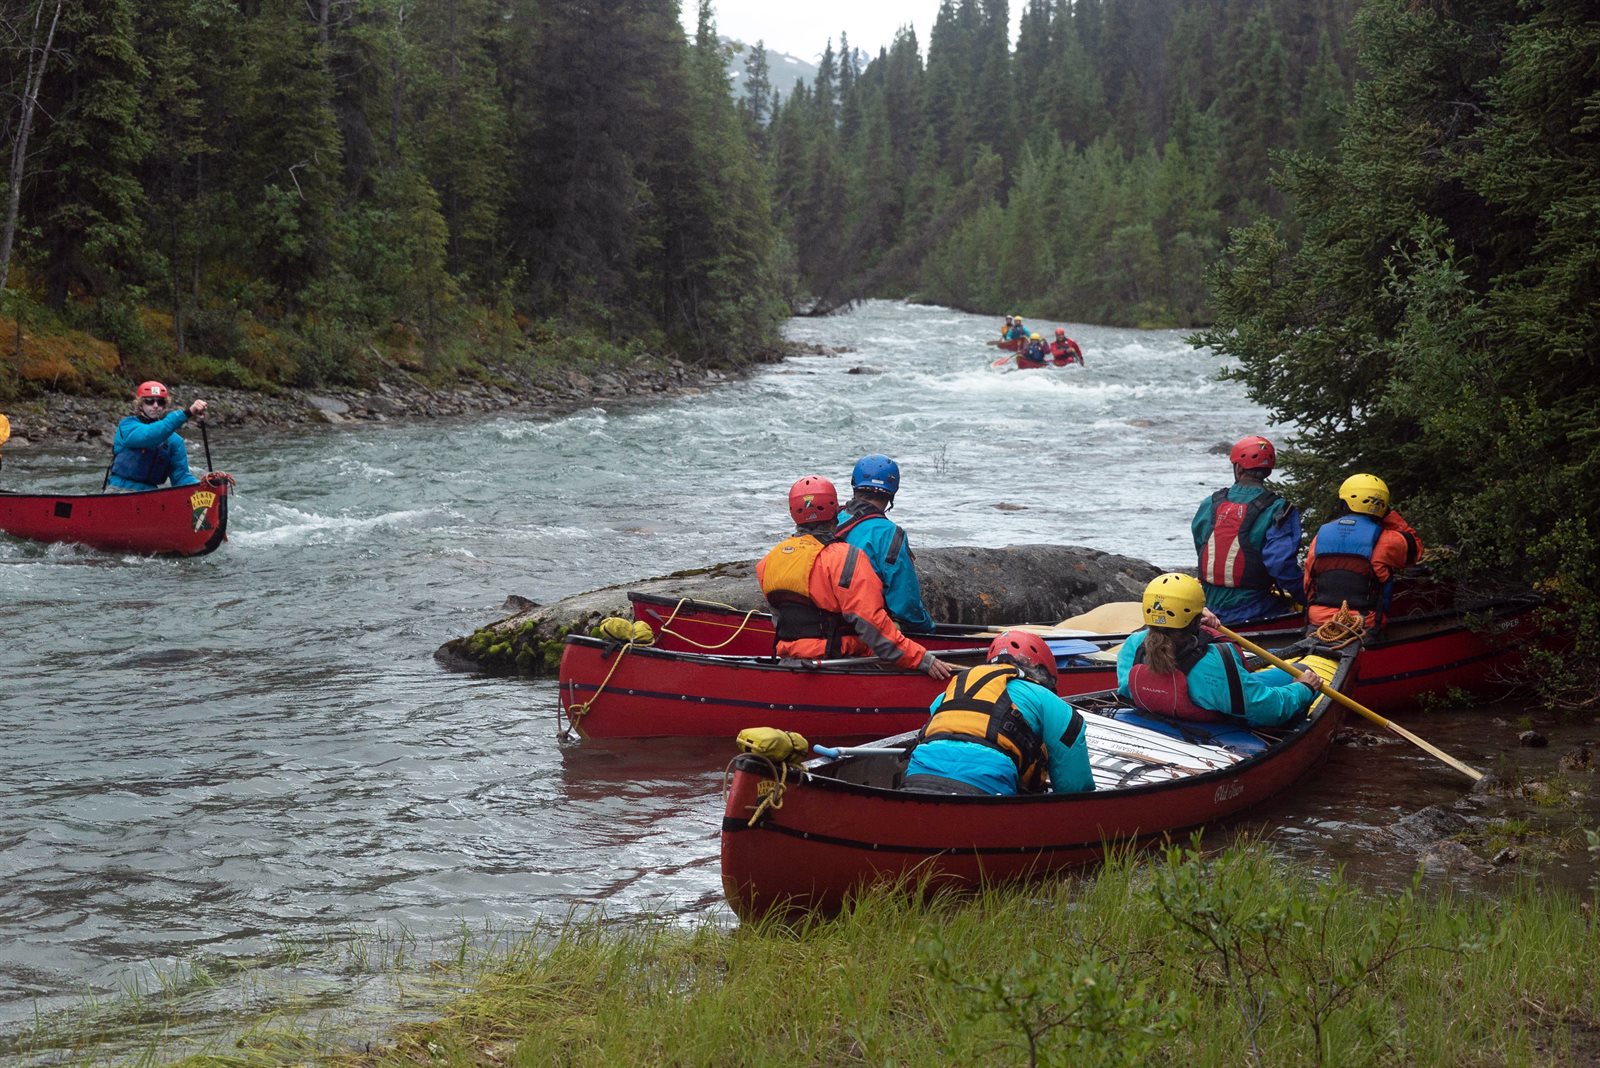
(1346, 626)
(774, 798)
(576, 713)
(667, 623)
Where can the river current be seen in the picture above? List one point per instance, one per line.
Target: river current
(206, 758)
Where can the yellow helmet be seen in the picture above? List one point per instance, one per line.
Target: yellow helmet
(1035, 337)
(1365, 493)
(1173, 600)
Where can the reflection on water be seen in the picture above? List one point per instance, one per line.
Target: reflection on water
(206, 759)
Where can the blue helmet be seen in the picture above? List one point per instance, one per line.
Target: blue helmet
(876, 472)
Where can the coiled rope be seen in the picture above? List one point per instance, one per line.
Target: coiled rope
(1346, 626)
(630, 633)
(779, 770)
(666, 625)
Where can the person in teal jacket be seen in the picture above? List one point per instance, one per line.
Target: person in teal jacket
(865, 524)
(1247, 538)
(999, 727)
(147, 449)
(1173, 667)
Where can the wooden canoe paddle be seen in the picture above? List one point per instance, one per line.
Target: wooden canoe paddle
(1354, 706)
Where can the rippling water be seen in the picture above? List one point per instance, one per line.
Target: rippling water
(204, 755)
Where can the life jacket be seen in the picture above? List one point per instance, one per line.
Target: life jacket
(1168, 695)
(1341, 565)
(1227, 558)
(896, 543)
(976, 708)
(786, 584)
(148, 466)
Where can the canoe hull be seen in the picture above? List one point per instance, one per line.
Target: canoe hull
(690, 626)
(660, 692)
(829, 837)
(176, 521)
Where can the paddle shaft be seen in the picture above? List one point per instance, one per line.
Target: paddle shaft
(207, 443)
(1354, 706)
(832, 751)
(942, 654)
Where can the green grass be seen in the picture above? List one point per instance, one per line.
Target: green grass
(1185, 959)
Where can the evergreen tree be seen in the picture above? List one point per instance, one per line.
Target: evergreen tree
(1445, 300)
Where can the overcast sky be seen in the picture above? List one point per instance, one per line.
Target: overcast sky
(802, 27)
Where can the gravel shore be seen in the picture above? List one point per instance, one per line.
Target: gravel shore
(60, 418)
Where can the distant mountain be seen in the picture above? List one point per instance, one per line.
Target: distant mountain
(783, 69)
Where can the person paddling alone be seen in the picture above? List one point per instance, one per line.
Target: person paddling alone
(147, 449)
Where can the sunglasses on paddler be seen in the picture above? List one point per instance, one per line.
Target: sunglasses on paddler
(154, 402)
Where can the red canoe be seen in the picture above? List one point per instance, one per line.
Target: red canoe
(809, 840)
(610, 690)
(683, 624)
(177, 521)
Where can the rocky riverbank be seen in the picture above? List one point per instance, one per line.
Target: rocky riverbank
(62, 418)
(960, 584)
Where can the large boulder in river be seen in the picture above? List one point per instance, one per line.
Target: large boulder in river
(960, 584)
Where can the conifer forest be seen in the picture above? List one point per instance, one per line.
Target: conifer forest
(1385, 210)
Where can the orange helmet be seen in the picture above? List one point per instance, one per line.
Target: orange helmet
(1254, 453)
(813, 500)
(1061, 331)
(1029, 652)
(150, 389)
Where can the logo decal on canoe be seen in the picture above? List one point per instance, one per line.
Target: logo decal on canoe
(1227, 792)
(200, 502)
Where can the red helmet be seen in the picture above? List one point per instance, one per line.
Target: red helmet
(1061, 331)
(150, 389)
(813, 500)
(1029, 652)
(1253, 453)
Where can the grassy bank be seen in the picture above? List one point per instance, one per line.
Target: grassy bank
(1180, 959)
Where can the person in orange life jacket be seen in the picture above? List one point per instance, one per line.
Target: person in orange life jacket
(998, 727)
(1248, 541)
(1035, 349)
(1353, 558)
(147, 449)
(1005, 331)
(1065, 350)
(864, 523)
(1178, 666)
(826, 600)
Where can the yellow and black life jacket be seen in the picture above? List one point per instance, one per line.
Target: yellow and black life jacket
(976, 708)
(786, 584)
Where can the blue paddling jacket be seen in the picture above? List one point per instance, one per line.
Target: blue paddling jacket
(144, 455)
(991, 770)
(886, 545)
(1220, 682)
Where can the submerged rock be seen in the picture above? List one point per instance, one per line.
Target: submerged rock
(960, 584)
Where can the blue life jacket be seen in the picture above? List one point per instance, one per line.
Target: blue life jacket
(1342, 571)
(149, 466)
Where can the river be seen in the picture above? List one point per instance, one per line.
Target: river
(206, 760)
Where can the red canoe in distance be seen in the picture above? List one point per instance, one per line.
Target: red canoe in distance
(842, 825)
(683, 624)
(655, 692)
(176, 521)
